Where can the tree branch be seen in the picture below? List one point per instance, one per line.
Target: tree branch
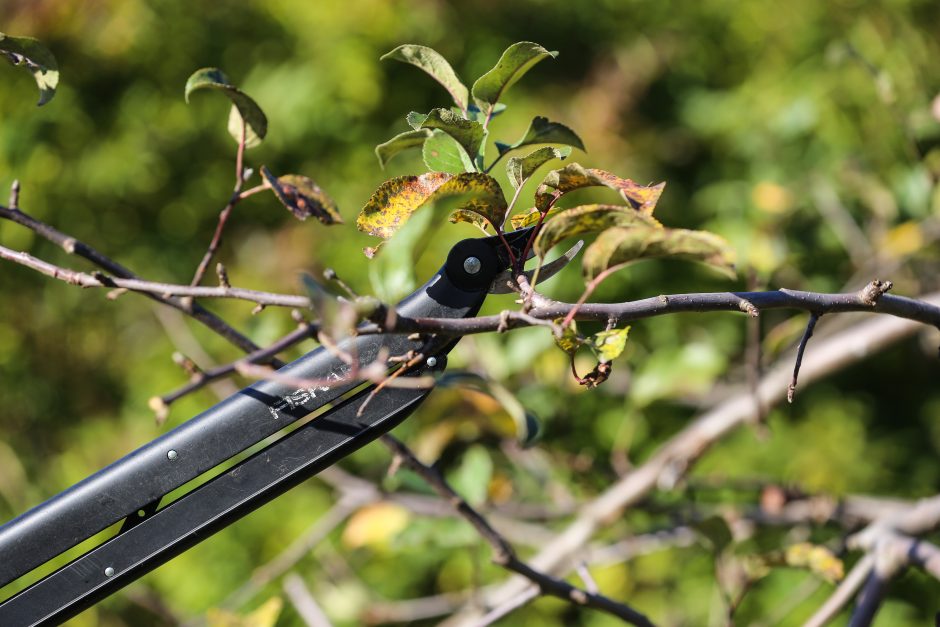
(674, 459)
(503, 553)
(74, 246)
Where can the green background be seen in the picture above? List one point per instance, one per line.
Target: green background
(802, 133)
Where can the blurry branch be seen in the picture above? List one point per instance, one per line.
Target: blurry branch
(890, 548)
(503, 553)
(677, 456)
(303, 601)
(75, 247)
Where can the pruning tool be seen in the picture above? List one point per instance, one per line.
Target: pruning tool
(212, 470)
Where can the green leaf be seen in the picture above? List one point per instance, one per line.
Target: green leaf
(471, 479)
(608, 345)
(716, 531)
(36, 58)
(542, 131)
(620, 246)
(399, 143)
(527, 425)
(520, 169)
(587, 219)
(442, 153)
(436, 66)
(244, 107)
(512, 65)
(302, 197)
(468, 133)
(573, 176)
(395, 200)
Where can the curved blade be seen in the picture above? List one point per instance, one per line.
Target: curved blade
(503, 282)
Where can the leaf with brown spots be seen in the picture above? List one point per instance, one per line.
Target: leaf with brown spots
(587, 219)
(395, 200)
(619, 246)
(302, 197)
(643, 198)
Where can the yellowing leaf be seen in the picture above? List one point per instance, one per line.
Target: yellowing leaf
(395, 200)
(904, 239)
(302, 197)
(587, 219)
(520, 169)
(771, 197)
(374, 525)
(818, 559)
(622, 245)
(569, 341)
(573, 176)
(608, 345)
(265, 616)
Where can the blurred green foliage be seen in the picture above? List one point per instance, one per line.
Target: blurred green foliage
(803, 134)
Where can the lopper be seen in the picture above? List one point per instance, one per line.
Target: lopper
(189, 483)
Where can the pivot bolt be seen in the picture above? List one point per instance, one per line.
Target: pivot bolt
(472, 265)
(109, 572)
(432, 361)
(171, 455)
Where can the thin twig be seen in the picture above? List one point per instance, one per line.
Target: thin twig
(227, 211)
(503, 553)
(303, 601)
(808, 333)
(74, 246)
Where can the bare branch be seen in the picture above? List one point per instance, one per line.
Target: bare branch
(303, 601)
(503, 553)
(76, 247)
(808, 333)
(677, 457)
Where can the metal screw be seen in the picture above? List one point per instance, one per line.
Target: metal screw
(108, 572)
(171, 455)
(472, 265)
(431, 362)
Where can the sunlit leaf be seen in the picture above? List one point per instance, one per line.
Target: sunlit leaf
(36, 58)
(302, 197)
(512, 65)
(395, 200)
(608, 345)
(520, 169)
(573, 176)
(818, 559)
(468, 133)
(542, 131)
(621, 245)
(527, 425)
(436, 66)
(587, 219)
(442, 153)
(247, 109)
(569, 341)
(531, 217)
(399, 143)
(375, 525)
